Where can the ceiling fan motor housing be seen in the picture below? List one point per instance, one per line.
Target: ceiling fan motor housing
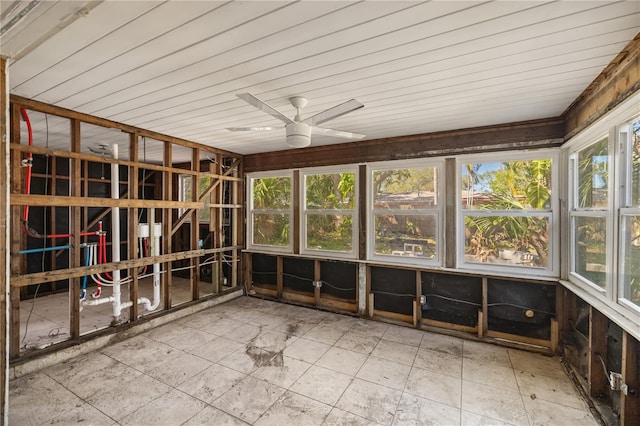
(298, 135)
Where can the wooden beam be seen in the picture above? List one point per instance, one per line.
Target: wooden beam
(195, 226)
(108, 160)
(75, 226)
(630, 400)
(132, 194)
(60, 274)
(279, 277)
(63, 112)
(528, 134)
(182, 219)
(167, 219)
(619, 80)
(483, 315)
(598, 380)
(17, 235)
(4, 240)
(63, 201)
(295, 200)
(317, 278)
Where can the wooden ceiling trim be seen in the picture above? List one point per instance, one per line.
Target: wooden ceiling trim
(619, 80)
(528, 134)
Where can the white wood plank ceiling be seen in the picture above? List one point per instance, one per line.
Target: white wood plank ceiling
(176, 66)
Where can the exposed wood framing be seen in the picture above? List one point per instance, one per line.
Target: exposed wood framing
(63, 112)
(4, 241)
(79, 200)
(132, 194)
(75, 227)
(630, 400)
(529, 134)
(598, 380)
(614, 84)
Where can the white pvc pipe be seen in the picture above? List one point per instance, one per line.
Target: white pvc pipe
(115, 233)
(154, 240)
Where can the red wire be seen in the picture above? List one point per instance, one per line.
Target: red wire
(27, 189)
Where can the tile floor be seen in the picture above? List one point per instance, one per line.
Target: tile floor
(251, 361)
(45, 321)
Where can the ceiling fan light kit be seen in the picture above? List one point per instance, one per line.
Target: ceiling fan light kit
(298, 131)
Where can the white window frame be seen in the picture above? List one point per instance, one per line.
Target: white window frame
(351, 254)
(625, 146)
(577, 212)
(553, 268)
(620, 310)
(251, 211)
(437, 211)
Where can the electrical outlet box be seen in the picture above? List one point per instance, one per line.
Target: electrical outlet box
(615, 380)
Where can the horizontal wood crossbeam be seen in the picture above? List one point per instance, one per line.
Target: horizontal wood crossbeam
(67, 201)
(63, 274)
(67, 113)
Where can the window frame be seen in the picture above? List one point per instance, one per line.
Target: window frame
(624, 206)
(303, 173)
(553, 214)
(182, 197)
(438, 211)
(622, 311)
(574, 211)
(250, 178)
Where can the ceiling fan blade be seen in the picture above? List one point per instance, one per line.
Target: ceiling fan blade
(265, 107)
(337, 133)
(249, 129)
(334, 112)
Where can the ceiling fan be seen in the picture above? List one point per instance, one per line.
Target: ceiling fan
(299, 130)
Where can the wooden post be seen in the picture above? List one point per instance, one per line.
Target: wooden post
(598, 380)
(450, 205)
(75, 229)
(4, 240)
(18, 239)
(235, 226)
(483, 315)
(417, 306)
(195, 225)
(317, 279)
(630, 402)
(167, 218)
(218, 235)
(133, 224)
(555, 335)
(279, 277)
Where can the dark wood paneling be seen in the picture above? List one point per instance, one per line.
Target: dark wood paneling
(619, 80)
(531, 134)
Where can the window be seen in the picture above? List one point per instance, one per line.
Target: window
(630, 213)
(507, 211)
(604, 213)
(329, 211)
(270, 211)
(405, 212)
(590, 183)
(185, 191)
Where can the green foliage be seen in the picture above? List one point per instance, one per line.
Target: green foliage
(593, 175)
(517, 185)
(272, 193)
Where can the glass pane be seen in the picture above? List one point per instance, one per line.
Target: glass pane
(510, 185)
(406, 235)
(330, 191)
(590, 249)
(631, 261)
(635, 165)
(507, 240)
(271, 229)
(406, 189)
(593, 175)
(272, 193)
(329, 232)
